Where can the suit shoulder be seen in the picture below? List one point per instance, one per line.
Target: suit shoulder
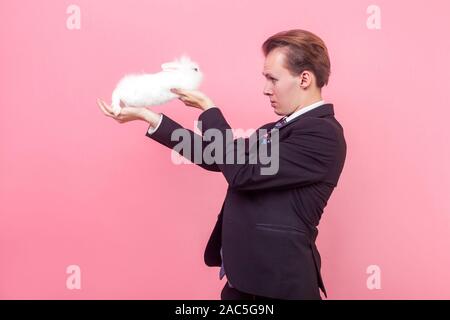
(322, 123)
(322, 126)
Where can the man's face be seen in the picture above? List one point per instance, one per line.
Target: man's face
(281, 87)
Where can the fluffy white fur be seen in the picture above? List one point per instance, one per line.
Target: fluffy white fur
(141, 90)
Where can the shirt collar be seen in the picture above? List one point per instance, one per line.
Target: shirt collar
(303, 110)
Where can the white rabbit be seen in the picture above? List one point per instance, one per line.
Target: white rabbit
(141, 90)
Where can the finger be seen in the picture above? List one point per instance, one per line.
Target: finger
(178, 91)
(102, 104)
(102, 108)
(105, 109)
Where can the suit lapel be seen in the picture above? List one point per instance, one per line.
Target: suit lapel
(321, 111)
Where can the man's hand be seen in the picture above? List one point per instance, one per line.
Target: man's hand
(126, 113)
(194, 98)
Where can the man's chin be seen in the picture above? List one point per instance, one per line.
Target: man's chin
(278, 112)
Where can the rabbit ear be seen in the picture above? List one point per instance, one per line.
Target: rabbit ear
(169, 66)
(185, 58)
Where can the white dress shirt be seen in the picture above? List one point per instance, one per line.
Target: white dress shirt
(151, 129)
(303, 110)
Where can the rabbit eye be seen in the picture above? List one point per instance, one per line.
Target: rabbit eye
(195, 69)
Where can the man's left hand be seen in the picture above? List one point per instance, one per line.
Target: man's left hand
(193, 98)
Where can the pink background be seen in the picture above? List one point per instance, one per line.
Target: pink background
(79, 188)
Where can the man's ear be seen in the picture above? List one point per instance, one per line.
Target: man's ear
(306, 79)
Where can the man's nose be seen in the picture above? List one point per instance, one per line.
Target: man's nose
(267, 91)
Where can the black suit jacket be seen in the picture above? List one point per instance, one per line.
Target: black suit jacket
(267, 223)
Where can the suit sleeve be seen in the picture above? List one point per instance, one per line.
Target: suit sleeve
(163, 134)
(304, 157)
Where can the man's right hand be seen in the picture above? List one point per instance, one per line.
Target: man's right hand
(130, 113)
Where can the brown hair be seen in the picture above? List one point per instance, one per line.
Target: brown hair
(304, 51)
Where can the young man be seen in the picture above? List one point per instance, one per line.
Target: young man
(264, 238)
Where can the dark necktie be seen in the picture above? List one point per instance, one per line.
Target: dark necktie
(280, 123)
(266, 137)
